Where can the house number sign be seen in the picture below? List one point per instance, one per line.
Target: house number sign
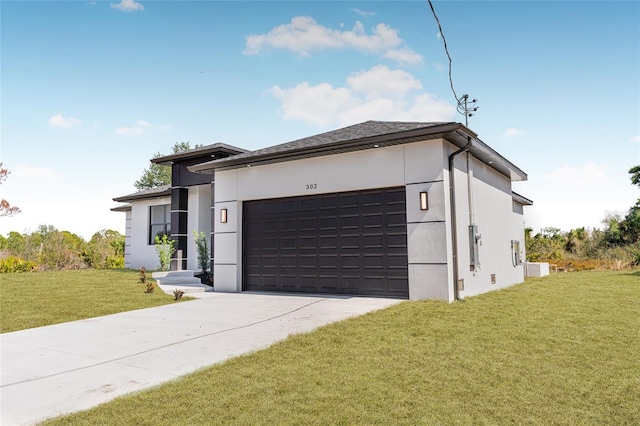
(312, 186)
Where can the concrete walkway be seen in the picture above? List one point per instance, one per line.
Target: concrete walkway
(49, 371)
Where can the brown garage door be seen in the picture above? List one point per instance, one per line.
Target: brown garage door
(342, 243)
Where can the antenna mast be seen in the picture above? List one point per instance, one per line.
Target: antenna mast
(467, 107)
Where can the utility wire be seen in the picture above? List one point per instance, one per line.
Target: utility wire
(446, 49)
(465, 107)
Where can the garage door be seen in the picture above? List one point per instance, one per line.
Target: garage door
(341, 243)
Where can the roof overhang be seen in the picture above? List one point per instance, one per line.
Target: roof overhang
(122, 208)
(157, 192)
(520, 199)
(214, 150)
(455, 133)
(486, 154)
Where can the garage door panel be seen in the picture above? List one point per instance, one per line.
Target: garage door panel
(350, 243)
(397, 261)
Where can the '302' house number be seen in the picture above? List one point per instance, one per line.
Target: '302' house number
(311, 186)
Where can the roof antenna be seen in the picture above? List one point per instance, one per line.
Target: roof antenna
(467, 108)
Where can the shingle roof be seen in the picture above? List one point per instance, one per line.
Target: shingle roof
(359, 132)
(158, 191)
(370, 134)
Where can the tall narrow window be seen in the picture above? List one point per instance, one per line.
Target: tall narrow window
(516, 259)
(159, 222)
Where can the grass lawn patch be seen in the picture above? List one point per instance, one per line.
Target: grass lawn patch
(559, 350)
(37, 299)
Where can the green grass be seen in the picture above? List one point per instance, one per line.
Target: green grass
(563, 349)
(37, 299)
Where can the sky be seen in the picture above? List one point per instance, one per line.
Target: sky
(91, 90)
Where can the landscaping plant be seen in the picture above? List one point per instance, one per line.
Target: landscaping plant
(165, 247)
(204, 258)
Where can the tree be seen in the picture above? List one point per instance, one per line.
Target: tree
(5, 207)
(105, 249)
(157, 174)
(635, 175)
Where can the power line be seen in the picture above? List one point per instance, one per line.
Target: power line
(465, 107)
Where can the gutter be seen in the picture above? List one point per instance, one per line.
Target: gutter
(454, 232)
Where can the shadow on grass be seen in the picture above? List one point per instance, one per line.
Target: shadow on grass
(634, 274)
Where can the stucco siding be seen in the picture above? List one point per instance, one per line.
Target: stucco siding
(127, 239)
(373, 168)
(418, 166)
(142, 253)
(492, 212)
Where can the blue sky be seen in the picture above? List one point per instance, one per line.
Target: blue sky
(91, 90)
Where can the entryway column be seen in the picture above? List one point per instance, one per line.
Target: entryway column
(179, 216)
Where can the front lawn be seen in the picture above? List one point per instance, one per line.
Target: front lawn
(37, 299)
(558, 350)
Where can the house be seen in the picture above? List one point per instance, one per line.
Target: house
(177, 209)
(394, 209)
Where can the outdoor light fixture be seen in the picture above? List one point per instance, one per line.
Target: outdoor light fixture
(223, 215)
(424, 201)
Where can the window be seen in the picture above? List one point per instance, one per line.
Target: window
(516, 258)
(159, 222)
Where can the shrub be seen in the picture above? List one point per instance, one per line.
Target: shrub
(143, 275)
(165, 249)
(177, 294)
(150, 287)
(202, 246)
(16, 264)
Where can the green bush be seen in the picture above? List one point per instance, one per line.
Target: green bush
(165, 249)
(204, 261)
(15, 264)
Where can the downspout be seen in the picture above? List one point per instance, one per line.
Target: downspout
(454, 232)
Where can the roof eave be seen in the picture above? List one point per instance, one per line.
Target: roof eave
(121, 208)
(146, 196)
(433, 132)
(167, 160)
(521, 199)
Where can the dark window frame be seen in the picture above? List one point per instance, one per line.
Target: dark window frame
(165, 224)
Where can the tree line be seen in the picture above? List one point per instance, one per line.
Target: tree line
(50, 249)
(616, 245)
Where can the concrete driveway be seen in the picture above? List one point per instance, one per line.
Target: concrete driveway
(49, 371)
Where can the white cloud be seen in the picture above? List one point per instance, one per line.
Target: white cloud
(137, 129)
(382, 81)
(577, 177)
(510, 133)
(25, 171)
(127, 6)
(304, 35)
(635, 139)
(63, 122)
(405, 56)
(361, 12)
(376, 94)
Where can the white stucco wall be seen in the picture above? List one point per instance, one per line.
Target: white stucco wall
(418, 166)
(138, 251)
(141, 252)
(127, 239)
(497, 223)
